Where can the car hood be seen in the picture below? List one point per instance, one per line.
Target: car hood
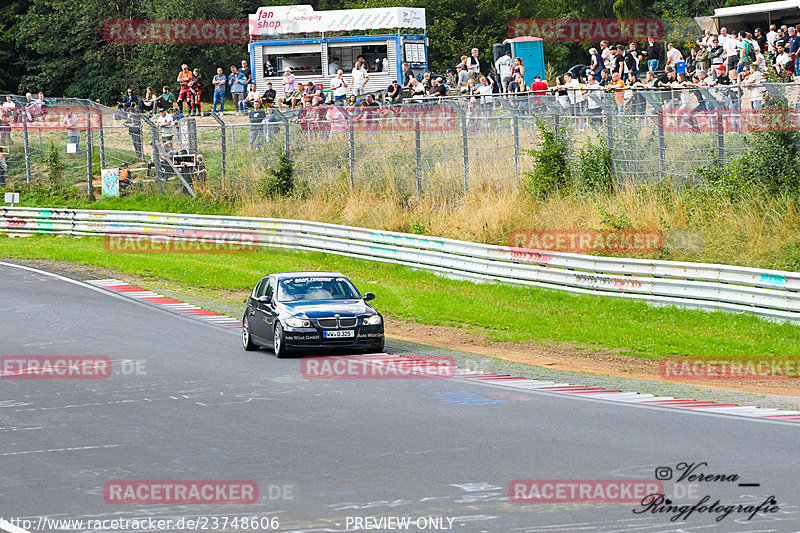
(328, 308)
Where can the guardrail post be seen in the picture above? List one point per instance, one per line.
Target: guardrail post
(418, 157)
(155, 158)
(223, 144)
(26, 141)
(662, 146)
(351, 141)
(89, 185)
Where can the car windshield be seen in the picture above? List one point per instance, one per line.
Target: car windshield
(316, 288)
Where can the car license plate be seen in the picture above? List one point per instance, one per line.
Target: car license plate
(338, 334)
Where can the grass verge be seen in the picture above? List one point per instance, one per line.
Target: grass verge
(501, 312)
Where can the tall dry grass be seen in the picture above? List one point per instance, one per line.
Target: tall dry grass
(757, 231)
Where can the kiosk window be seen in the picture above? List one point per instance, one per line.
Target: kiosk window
(303, 64)
(349, 54)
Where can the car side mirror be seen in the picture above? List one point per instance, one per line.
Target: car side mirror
(264, 299)
(369, 296)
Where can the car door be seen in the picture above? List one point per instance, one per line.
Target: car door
(254, 310)
(263, 313)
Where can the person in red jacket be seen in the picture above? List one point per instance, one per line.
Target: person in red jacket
(195, 87)
(184, 78)
(539, 88)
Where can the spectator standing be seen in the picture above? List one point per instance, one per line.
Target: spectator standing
(462, 79)
(761, 39)
(333, 66)
(723, 36)
(359, 79)
(237, 89)
(607, 54)
(618, 86)
(505, 69)
(716, 53)
(519, 68)
(166, 123)
(652, 54)
(632, 62)
(703, 58)
(247, 74)
(747, 53)
(70, 122)
(771, 36)
(257, 126)
(195, 89)
(619, 60)
(673, 55)
(339, 86)
(596, 64)
(753, 81)
(219, 82)
(5, 127)
(184, 94)
(474, 65)
(731, 47)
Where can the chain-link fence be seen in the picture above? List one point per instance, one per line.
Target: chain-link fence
(421, 147)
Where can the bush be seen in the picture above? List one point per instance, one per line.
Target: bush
(55, 169)
(279, 181)
(550, 172)
(595, 168)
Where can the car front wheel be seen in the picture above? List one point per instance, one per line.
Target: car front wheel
(280, 342)
(247, 342)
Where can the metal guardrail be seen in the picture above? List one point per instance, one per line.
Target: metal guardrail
(768, 293)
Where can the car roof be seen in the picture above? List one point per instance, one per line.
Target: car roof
(306, 273)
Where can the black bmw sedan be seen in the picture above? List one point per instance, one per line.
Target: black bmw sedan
(305, 311)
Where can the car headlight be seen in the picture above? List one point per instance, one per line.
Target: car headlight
(298, 323)
(373, 320)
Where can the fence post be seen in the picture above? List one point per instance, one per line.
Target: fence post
(662, 146)
(27, 146)
(720, 135)
(610, 131)
(89, 185)
(155, 158)
(351, 140)
(418, 157)
(556, 123)
(515, 128)
(102, 140)
(465, 145)
(223, 147)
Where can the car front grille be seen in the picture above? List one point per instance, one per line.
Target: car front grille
(337, 323)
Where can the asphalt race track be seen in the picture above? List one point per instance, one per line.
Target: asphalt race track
(187, 403)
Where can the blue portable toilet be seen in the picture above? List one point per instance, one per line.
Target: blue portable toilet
(531, 50)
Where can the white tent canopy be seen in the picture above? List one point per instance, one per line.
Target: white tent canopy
(748, 17)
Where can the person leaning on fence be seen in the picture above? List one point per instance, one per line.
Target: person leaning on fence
(257, 133)
(166, 123)
(70, 122)
(5, 127)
